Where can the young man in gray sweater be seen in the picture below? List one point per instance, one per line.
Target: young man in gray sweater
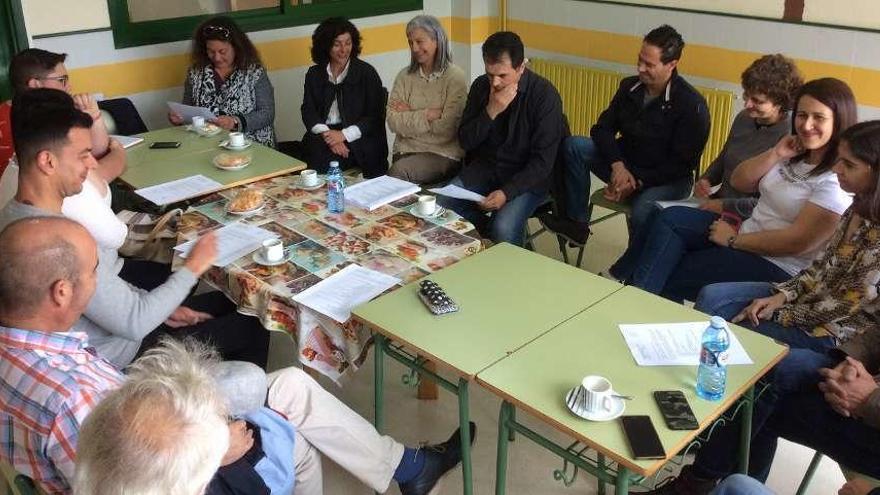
(53, 145)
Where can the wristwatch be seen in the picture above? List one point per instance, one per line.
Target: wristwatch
(730, 241)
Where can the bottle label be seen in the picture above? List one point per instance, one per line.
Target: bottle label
(707, 357)
(723, 357)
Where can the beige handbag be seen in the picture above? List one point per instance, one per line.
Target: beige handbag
(149, 237)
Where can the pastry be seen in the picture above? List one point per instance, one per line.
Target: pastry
(247, 200)
(228, 160)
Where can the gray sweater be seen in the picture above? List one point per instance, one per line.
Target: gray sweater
(119, 315)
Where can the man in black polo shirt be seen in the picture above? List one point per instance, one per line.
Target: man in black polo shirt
(645, 145)
(510, 130)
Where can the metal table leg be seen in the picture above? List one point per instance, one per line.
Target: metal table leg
(745, 438)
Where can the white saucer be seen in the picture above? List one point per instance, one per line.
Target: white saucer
(248, 212)
(617, 408)
(225, 144)
(437, 212)
(299, 185)
(233, 169)
(258, 258)
(203, 133)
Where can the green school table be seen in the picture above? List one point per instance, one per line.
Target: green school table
(148, 167)
(508, 297)
(536, 378)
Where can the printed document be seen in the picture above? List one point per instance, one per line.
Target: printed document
(454, 191)
(180, 189)
(187, 112)
(374, 193)
(338, 294)
(673, 344)
(233, 241)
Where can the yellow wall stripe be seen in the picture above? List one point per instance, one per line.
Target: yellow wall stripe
(150, 74)
(711, 62)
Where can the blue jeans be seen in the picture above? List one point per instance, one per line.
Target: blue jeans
(582, 157)
(728, 299)
(740, 484)
(505, 225)
(674, 257)
(796, 410)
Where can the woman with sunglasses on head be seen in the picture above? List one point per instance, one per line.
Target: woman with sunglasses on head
(799, 207)
(343, 105)
(425, 107)
(228, 78)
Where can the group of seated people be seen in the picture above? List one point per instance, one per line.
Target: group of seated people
(782, 237)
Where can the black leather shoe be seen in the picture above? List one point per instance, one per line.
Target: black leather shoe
(576, 233)
(439, 459)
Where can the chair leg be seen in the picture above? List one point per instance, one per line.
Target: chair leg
(562, 249)
(808, 476)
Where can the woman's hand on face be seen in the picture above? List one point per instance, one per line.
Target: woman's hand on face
(224, 121)
(720, 231)
(788, 147)
(760, 309)
(332, 138)
(175, 118)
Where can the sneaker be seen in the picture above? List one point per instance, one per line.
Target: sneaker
(439, 459)
(575, 232)
(685, 484)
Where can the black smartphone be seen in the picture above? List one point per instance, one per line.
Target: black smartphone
(675, 409)
(642, 437)
(164, 145)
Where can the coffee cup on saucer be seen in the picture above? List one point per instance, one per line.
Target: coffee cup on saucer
(308, 178)
(236, 140)
(272, 250)
(198, 122)
(593, 396)
(426, 205)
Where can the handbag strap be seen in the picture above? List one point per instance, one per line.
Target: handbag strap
(160, 224)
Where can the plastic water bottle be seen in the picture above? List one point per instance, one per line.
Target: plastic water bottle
(335, 189)
(712, 373)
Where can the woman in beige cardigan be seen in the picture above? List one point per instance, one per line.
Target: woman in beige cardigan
(425, 106)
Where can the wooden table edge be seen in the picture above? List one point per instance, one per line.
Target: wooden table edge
(635, 468)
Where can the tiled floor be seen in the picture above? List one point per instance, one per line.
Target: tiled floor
(530, 468)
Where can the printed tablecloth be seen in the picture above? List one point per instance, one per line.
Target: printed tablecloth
(317, 244)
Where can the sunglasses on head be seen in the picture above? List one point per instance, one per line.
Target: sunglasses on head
(216, 32)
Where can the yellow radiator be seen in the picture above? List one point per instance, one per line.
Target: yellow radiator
(587, 91)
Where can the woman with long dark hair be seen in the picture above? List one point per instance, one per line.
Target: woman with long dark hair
(799, 207)
(343, 105)
(227, 77)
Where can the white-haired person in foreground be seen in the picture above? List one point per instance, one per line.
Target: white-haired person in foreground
(51, 379)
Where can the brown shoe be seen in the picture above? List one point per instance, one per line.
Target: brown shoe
(685, 484)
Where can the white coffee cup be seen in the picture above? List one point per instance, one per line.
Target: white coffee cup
(273, 250)
(597, 394)
(426, 205)
(198, 122)
(308, 177)
(236, 139)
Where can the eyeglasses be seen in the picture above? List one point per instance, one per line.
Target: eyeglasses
(216, 32)
(62, 80)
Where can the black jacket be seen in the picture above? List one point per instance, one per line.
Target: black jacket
(525, 161)
(361, 100)
(658, 143)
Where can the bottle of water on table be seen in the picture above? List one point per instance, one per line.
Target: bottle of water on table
(335, 189)
(712, 373)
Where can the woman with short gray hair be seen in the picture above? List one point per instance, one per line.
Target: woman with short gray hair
(425, 107)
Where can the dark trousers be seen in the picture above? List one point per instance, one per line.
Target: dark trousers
(145, 274)
(319, 156)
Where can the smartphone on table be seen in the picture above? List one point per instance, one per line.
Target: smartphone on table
(164, 145)
(642, 437)
(675, 410)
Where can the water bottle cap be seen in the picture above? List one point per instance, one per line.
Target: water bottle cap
(718, 322)
(334, 164)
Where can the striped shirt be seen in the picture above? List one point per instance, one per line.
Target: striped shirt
(49, 382)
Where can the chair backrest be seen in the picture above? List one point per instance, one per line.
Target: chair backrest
(587, 91)
(17, 483)
(126, 117)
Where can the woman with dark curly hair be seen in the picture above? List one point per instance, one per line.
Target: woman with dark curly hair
(343, 106)
(227, 77)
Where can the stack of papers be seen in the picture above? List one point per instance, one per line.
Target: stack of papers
(187, 112)
(454, 191)
(674, 344)
(374, 193)
(180, 189)
(338, 294)
(233, 241)
(127, 141)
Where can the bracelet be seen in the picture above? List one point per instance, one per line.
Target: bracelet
(730, 241)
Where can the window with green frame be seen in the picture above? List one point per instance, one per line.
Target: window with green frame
(145, 22)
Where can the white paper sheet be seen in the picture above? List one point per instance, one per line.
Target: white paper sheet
(180, 189)
(690, 203)
(670, 344)
(187, 112)
(233, 241)
(374, 193)
(127, 141)
(458, 192)
(336, 295)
